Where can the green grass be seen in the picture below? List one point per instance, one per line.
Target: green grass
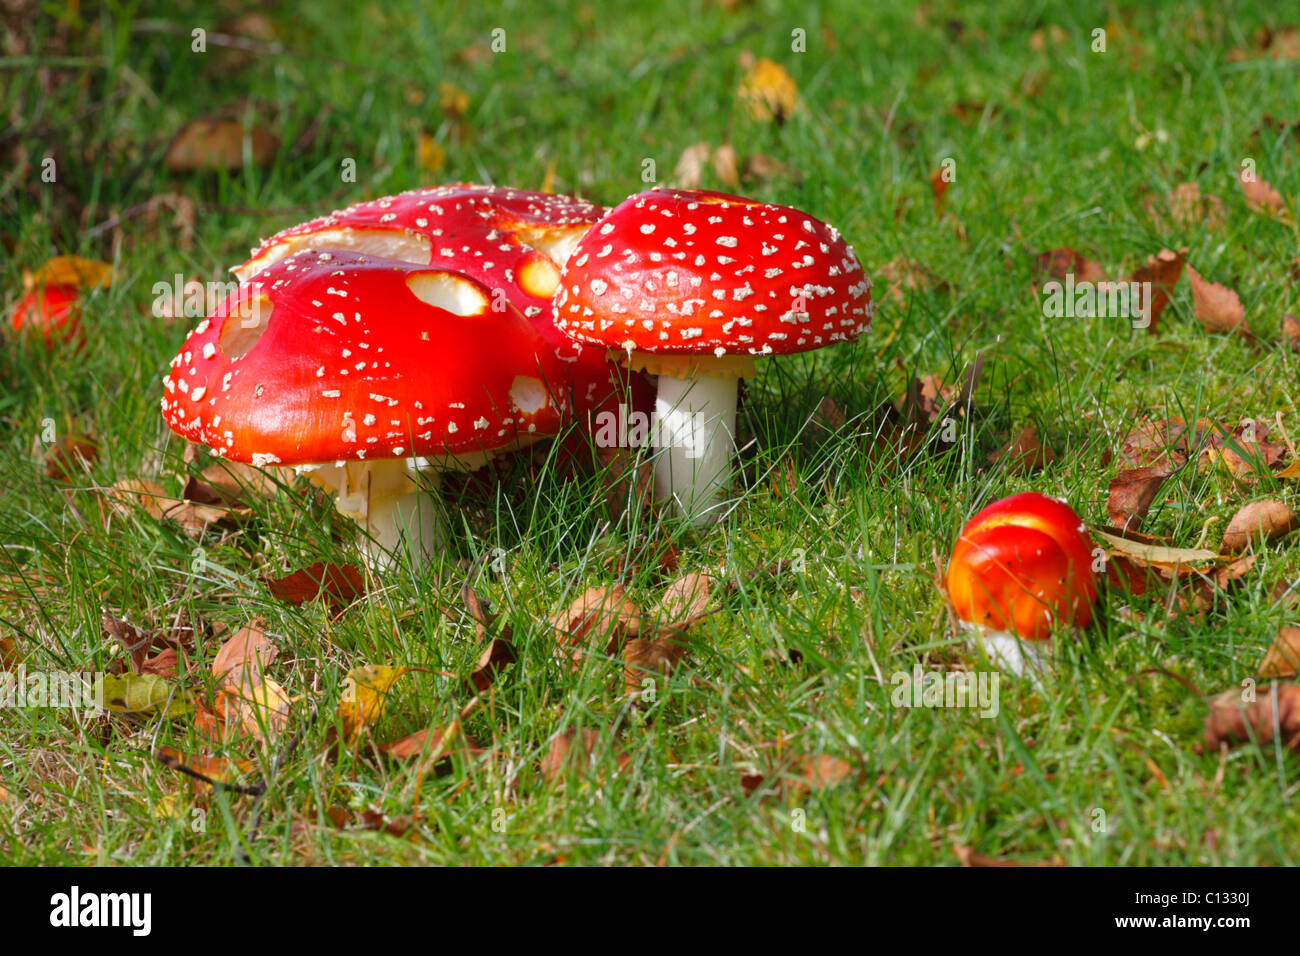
(596, 90)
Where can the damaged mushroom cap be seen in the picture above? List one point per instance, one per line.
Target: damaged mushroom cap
(338, 356)
(510, 240)
(695, 272)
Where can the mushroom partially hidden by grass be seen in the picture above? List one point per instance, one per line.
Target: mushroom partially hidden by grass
(693, 286)
(365, 372)
(1022, 568)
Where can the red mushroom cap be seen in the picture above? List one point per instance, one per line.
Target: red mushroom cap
(508, 239)
(50, 310)
(336, 356)
(1024, 563)
(688, 272)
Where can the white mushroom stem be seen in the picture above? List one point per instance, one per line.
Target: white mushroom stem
(386, 498)
(695, 429)
(1013, 654)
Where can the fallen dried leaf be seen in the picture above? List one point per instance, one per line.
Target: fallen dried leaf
(687, 598)
(1232, 720)
(1217, 307)
(1131, 492)
(768, 92)
(1283, 658)
(1260, 196)
(210, 144)
(1271, 519)
(599, 612)
(498, 655)
(1162, 271)
(339, 584)
(573, 751)
(1023, 453)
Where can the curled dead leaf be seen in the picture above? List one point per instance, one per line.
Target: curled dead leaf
(1131, 492)
(1270, 519)
(1233, 721)
(600, 616)
(1283, 658)
(1162, 270)
(1024, 452)
(210, 144)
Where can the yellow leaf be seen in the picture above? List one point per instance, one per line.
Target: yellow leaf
(453, 100)
(141, 694)
(430, 155)
(70, 270)
(364, 691)
(769, 92)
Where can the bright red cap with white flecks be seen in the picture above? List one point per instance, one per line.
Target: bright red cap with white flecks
(339, 356)
(511, 240)
(690, 272)
(490, 232)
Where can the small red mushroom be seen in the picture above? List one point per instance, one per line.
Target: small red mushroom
(363, 371)
(692, 286)
(51, 311)
(1023, 565)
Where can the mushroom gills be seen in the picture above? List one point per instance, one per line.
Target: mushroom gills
(390, 499)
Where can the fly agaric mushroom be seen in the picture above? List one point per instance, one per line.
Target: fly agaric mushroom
(1022, 566)
(513, 241)
(363, 371)
(692, 286)
(51, 311)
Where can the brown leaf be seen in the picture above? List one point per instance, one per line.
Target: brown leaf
(821, 772)
(1024, 452)
(481, 613)
(1291, 331)
(1162, 271)
(687, 598)
(229, 483)
(1283, 658)
(134, 640)
(599, 612)
(898, 277)
(647, 659)
(1232, 720)
(165, 664)
(939, 184)
(573, 750)
(70, 456)
(1131, 492)
(215, 770)
(1058, 263)
(243, 658)
(1260, 196)
(760, 168)
(131, 493)
(689, 171)
(1270, 518)
(211, 144)
(1185, 210)
(424, 742)
(969, 857)
(498, 655)
(339, 584)
(724, 166)
(1217, 307)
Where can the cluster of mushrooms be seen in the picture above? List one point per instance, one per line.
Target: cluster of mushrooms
(374, 348)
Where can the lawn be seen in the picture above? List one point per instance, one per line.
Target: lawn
(777, 738)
